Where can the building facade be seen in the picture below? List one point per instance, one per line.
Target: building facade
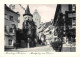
(11, 23)
(15, 8)
(65, 22)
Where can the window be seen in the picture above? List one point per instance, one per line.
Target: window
(6, 28)
(70, 7)
(63, 17)
(6, 17)
(50, 32)
(73, 7)
(11, 18)
(11, 30)
(73, 22)
(10, 42)
(14, 26)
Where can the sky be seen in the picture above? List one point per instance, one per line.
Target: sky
(46, 11)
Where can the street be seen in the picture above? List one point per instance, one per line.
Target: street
(47, 48)
(35, 49)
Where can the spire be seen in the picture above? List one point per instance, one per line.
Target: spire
(27, 11)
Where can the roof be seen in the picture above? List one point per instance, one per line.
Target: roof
(7, 8)
(27, 11)
(47, 24)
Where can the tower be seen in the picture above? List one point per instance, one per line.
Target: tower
(37, 19)
(29, 28)
(27, 15)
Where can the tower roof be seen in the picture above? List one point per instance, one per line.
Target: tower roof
(35, 10)
(27, 11)
(36, 13)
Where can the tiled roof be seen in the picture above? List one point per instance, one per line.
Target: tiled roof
(7, 8)
(47, 24)
(27, 11)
